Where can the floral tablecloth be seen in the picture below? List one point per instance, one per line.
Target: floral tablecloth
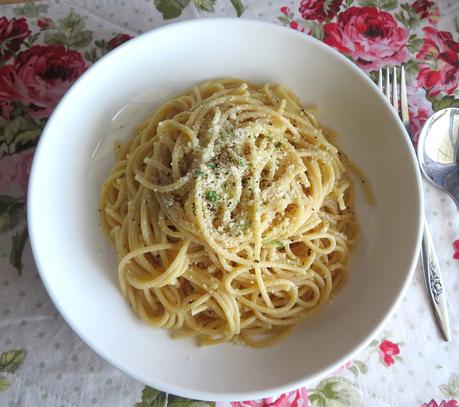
(46, 45)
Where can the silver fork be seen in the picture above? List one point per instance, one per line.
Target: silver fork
(430, 264)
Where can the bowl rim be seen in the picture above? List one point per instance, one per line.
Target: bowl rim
(34, 233)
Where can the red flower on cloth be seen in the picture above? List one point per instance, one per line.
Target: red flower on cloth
(456, 249)
(371, 37)
(12, 34)
(426, 9)
(445, 79)
(285, 10)
(44, 22)
(118, 40)
(298, 27)
(40, 76)
(388, 349)
(297, 398)
(440, 71)
(443, 403)
(319, 10)
(439, 45)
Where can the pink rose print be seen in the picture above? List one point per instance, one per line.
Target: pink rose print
(456, 249)
(439, 45)
(297, 398)
(118, 40)
(12, 34)
(319, 9)
(285, 10)
(388, 349)
(40, 76)
(371, 37)
(442, 50)
(420, 109)
(426, 9)
(445, 79)
(443, 403)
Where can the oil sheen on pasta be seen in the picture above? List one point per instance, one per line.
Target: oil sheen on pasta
(231, 214)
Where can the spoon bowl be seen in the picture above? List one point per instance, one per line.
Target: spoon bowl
(438, 151)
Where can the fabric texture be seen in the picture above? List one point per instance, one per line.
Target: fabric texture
(46, 45)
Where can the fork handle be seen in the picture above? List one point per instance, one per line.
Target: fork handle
(434, 282)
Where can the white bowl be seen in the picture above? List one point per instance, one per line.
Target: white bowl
(78, 266)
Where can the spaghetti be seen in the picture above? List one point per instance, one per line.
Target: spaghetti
(231, 214)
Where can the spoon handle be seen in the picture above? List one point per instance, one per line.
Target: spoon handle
(434, 282)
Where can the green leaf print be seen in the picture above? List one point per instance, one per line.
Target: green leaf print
(407, 16)
(11, 212)
(336, 392)
(73, 22)
(354, 370)
(81, 39)
(91, 55)
(17, 248)
(451, 390)
(411, 67)
(176, 401)
(414, 43)
(361, 366)
(4, 383)
(388, 4)
(368, 3)
(317, 31)
(20, 133)
(327, 5)
(55, 38)
(374, 342)
(317, 400)
(205, 5)
(380, 4)
(328, 391)
(31, 39)
(283, 20)
(31, 10)
(70, 31)
(12, 359)
(171, 8)
(238, 6)
(445, 102)
(152, 398)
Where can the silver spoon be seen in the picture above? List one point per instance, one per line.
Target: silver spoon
(438, 154)
(438, 151)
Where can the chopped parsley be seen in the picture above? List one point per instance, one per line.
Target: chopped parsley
(211, 196)
(199, 172)
(278, 145)
(277, 243)
(212, 165)
(244, 224)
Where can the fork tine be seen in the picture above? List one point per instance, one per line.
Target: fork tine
(388, 84)
(380, 80)
(394, 89)
(403, 98)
